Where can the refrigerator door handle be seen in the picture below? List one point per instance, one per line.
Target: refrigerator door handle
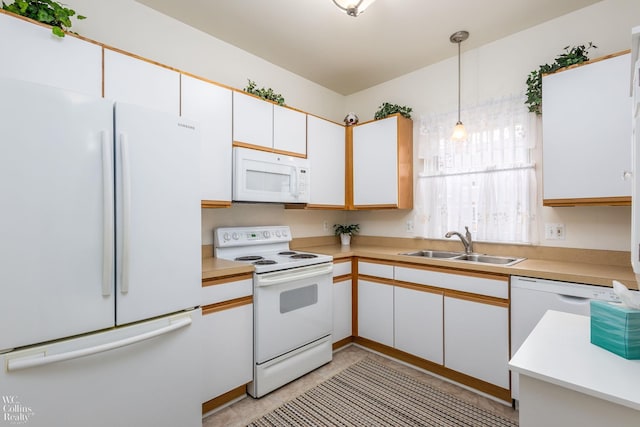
(108, 214)
(33, 360)
(126, 212)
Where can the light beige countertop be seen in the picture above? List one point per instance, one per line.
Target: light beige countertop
(580, 266)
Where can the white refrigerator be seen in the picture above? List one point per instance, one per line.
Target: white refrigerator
(99, 262)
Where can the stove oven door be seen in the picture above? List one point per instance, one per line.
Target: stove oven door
(292, 308)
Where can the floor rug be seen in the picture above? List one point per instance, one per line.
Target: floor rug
(371, 394)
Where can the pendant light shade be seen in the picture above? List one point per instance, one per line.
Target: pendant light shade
(459, 132)
(353, 7)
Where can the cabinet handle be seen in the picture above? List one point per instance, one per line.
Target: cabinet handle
(627, 175)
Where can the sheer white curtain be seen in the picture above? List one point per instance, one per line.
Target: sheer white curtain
(486, 182)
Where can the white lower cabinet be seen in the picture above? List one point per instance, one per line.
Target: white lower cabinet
(476, 339)
(418, 327)
(341, 310)
(342, 300)
(227, 336)
(375, 311)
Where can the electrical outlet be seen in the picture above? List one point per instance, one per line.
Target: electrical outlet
(325, 225)
(554, 231)
(409, 227)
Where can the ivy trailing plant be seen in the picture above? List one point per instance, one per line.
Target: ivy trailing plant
(46, 11)
(264, 93)
(387, 109)
(570, 56)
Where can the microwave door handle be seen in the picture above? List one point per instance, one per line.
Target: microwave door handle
(294, 182)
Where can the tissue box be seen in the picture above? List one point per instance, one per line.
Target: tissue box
(616, 328)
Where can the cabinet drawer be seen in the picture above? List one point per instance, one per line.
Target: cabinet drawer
(375, 269)
(481, 284)
(341, 268)
(226, 289)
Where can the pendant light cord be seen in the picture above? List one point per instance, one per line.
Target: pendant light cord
(458, 82)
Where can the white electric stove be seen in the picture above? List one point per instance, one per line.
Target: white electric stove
(292, 303)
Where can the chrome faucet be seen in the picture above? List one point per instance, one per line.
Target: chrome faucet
(466, 239)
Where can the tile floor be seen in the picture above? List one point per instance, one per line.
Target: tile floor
(248, 409)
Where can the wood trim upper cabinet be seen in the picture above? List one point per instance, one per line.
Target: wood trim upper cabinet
(586, 133)
(381, 164)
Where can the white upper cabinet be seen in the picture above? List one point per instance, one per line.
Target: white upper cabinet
(252, 120)
(211, 106)
(262, 124)
(326, 152)
(136, 81)
(383, 164)
(586, 134)
(31, 52)
(289, 130)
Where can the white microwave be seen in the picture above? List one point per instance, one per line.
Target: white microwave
(260, 176)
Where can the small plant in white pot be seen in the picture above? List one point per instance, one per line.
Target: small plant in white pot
(345, 232)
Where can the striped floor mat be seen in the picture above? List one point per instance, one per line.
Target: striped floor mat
(370, 394)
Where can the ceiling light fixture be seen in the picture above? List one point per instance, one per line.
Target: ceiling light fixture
(353, 7)
(459, 132)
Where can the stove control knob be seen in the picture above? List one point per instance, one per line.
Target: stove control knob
(266, 234)
(284, 233)
(235, 236)
(277, 233)
(226, 237)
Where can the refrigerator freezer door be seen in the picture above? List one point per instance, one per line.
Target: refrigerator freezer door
(56, 235)
(149, 378)
(157, 213)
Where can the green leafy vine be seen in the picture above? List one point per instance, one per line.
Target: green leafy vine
(46, 11)
(264, 93)
(387, 109)
(571, 56)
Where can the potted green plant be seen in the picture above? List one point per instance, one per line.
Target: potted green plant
(345, 231)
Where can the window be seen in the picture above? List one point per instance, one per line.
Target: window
(486, 182)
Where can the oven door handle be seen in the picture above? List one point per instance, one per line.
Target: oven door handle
(278, 277)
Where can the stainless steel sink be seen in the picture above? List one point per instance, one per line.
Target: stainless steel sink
(489, 259)
(460, 256)
(433, 254)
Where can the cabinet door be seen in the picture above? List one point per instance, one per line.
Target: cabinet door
(135, 81)
(341, 310)
(210, 105)
(326, 152)
(227, 340)
(375, 163)
(375, 311)
(289, 130)
(32, 53)
(252, 120)
(586, 131)
(418, 325)
(476, 339)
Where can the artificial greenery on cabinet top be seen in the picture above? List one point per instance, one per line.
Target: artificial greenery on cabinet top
(386, 109)
(570, 56)
(46, 11)
(264, 93)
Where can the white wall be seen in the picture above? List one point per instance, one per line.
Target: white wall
(501, 68)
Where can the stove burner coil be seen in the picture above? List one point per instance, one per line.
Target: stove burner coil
(303, 256)
(286, 253)
(265, 262)
(249, 258)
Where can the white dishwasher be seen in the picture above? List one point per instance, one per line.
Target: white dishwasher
(531, 298)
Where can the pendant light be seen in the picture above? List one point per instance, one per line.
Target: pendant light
(353, 7)
(459, 132)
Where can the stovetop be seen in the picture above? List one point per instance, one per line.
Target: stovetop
(267, 248)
